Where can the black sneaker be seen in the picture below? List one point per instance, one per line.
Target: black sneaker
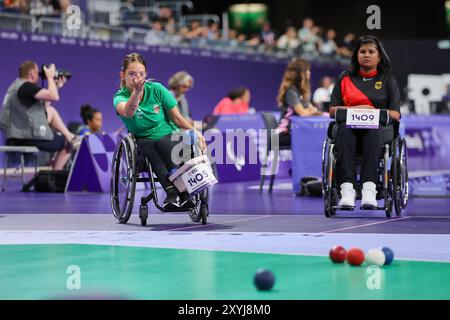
(171, 202)
(186, 201)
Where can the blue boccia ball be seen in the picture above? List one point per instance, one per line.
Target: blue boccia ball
(264, 280)
(389, 254)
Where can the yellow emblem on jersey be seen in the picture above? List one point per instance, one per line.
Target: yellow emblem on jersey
(378, 85)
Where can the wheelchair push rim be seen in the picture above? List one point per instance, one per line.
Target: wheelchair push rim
(403, 187)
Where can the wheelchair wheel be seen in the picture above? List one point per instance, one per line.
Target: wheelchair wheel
(123, 183)
(330, 200)
(194, 214)
(329, 195)
(401, 178)
(201, 210)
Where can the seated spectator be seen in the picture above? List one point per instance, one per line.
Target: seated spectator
(237, 102)
(254, 40)
(323, 93)
(348, 44)
(29, 119)
(49, 7)
(213, 31)
(294, 97)
(15, 6)
(179, 84)
(289, 40)
(328, 45)
(92, 119)
(156, 35)
(267, 35)
(194, 31)
(309, 36)
(167, 19)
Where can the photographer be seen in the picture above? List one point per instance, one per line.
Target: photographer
(29, 119)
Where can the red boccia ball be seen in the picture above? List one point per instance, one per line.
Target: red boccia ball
(355, 256)
(338, 254)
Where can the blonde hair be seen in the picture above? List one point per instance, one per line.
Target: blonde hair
(180, 78)
(25, 68)
(130, 58)
(295, 76)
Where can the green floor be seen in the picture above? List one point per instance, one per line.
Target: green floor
(39, 272)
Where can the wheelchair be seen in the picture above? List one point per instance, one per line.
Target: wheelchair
(392, 169)
(128, 168)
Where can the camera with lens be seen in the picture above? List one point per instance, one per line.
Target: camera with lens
(58, 74)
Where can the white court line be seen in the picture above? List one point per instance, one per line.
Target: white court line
(222, 222)
(366, 225)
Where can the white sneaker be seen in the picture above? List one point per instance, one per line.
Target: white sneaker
(369, 195)
(348, 195)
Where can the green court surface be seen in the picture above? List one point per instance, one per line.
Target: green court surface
(40, 272)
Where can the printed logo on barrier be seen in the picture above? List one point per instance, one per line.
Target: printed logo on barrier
(239, 161)
(421, 142)
(102, 149)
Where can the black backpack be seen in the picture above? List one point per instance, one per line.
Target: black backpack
(311, 186)
(48, 181)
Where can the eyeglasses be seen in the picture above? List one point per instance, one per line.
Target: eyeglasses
(133, 75)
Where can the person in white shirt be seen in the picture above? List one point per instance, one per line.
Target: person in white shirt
(323, 93)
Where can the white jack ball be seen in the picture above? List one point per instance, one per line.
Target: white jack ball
(375, 257)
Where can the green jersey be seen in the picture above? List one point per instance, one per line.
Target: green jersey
(150, 119)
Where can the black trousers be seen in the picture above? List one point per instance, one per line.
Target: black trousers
(56, 144)
(349, 143)
(159, 152)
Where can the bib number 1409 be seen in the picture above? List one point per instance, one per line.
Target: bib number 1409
(363, 118)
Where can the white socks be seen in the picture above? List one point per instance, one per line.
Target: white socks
(348, 194)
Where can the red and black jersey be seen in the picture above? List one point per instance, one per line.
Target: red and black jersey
(376, 89)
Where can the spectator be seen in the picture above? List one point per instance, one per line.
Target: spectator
(194, 31)
(348, 45)
(294, 97)
(29, 119)
(237, 102)
(167, 19)
(267, 35)
(311, 41)
(323, 93)
(92, 119)
(213, 31)
(179, 84)
(289, 40)
(16, 6)
(156, 35)
(328, 45)
(254, 40)
(305, 33)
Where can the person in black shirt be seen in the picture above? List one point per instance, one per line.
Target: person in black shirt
(368, 84)
(29, 119)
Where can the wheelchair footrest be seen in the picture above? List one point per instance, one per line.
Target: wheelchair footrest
(176, 210)
(344, 208)
(372, 208)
